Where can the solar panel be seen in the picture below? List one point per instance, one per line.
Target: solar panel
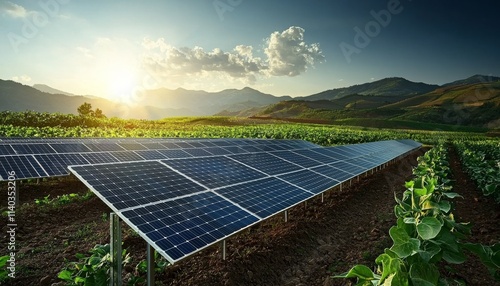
(217, 151)
(98, 158)
(197, 152)
(126, 185)
(126, 156)
(310, 181)
(314, 155)
(333, 173)
(24, 166)
(175, 153)
(6, 150)
(266, 163)
(265, 197)
(99, 147)
(132, 146)
(39, 148)
(150, 154)
(214, 172)
(57, 164)
(348, 167)
(183, 226)
(70, 147)
(298, 159)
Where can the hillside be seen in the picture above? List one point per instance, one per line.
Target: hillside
(465, 104)
(394, 86)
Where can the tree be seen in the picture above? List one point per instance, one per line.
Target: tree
(98, 113)
(85, 109)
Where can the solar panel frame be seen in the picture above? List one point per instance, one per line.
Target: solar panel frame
(24, 166)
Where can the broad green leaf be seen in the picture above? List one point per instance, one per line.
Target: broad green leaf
(454, 257)
(444, 206)
(490, 256)
(428, 228)
(451, 195)
(403, 245)
(358, 271)
(65, 275)
(429, 250)
(424, 274)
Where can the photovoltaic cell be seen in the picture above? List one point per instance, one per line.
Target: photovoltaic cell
(132, 146)
(30, 149)
(99, 158)
(126, 185)
(57, 164)
(6, 150)
(186, 225)
(99, 147)
(333, 173)
(24, 166)
(217, 151)
(298, 159)
(150, 154)
(126, 156)
(265, 197)
(197, 152)
(266, 163)
(153, 145)
(310, 181)
(70, 148)
(214, 172)
(314, 155)
(348, 167)
(175, 153)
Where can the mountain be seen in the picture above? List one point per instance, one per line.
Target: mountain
(393, 86)
(473, 80)
(48, 89)
(469, 102)
(208, 103)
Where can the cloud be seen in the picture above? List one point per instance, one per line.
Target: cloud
(286, 55)
(21, 79)
(13, 10)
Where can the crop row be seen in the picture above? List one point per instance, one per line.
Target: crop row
(426, 232)
(481, 160)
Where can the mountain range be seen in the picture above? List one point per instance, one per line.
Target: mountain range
(396, 96)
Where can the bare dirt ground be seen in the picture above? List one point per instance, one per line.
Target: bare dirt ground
(320, 239)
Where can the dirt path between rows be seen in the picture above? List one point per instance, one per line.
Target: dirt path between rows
(320, 239)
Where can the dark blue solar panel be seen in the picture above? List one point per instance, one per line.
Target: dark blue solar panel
(25, 167)
(126, 156)
(265, 197)
(6, 150)
(186, 225)
(99, 147)
(170, 145)
(333, 173)
(217, 151)
(184, 145)
(235, 150)
(214, 172)
(175, 153)
(314, 155)
(150, 154)
(333, 153)
(197, 144)
(266, 163)
(126, 185)
(197, 152)
(153, 145)
(132, 146)
(363, 162)
(297, 159)
(251, 148)
(310, 181)
(70, 147)
(57, 164)
(39, 148)
(348, 167)
(99, 158)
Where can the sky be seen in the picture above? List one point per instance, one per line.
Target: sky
(115, 48)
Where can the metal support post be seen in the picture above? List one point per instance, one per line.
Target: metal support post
(322, 197)
(286, 215)
(115, 249)
(151, 265)
(224, 249)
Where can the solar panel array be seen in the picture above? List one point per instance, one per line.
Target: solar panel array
(183, 204)
(183, 195)
(49, 157)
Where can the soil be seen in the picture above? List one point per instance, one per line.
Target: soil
(319, 240)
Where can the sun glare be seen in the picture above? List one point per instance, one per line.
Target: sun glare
(122, 84)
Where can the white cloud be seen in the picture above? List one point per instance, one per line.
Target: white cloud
(286, 55)
(13, 10)
(21, 79)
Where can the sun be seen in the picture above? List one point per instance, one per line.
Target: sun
(122, 84)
